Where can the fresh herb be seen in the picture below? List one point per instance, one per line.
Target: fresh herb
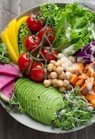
(14, 105)
(75, 113)
(4, 58)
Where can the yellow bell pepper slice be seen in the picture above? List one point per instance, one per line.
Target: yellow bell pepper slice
(19, 22)
(5, 39)
(12, 35)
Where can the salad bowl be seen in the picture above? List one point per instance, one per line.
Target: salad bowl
(25, 119)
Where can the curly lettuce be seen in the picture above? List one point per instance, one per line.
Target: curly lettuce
(23, 33)
(74, 25)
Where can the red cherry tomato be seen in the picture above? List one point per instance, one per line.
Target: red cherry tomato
(34, 23)
(49, 53)
(37, 72)
(24, 62)
(49, 32)
(32, 43)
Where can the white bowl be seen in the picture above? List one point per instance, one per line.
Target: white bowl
(24, 118)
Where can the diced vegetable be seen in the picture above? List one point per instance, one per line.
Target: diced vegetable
(7, 91)
(10, 70)
(73, 79)
(5, 80)
(8, 76)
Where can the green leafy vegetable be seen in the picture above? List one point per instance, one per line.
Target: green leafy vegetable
(74, 25)
(76, 111)
(4, 58)
(23, 33)
(14, 104)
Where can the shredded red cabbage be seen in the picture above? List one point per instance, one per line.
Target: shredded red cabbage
(87, 54)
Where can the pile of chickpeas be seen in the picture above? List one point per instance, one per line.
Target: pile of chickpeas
(59, 72)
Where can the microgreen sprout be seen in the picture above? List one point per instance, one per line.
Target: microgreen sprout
(76, 111)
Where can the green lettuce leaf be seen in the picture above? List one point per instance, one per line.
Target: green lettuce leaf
(73, 24)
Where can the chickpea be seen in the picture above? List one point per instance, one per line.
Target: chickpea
(68, 75)
(60, 55)
(52, 62)
(58, 63)
(48, 76)
(53, 75)
(55, 85)
(50, 67)
(69, 63)
(54, 68)
(69, 69)
(54, 82)
(59, 83)
(47, 82)
(61, 89)
(66, 83)
(72, 59)
(64, 67)
(59, 70)
(62, 76)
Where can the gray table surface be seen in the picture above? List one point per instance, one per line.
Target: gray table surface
(9, 128)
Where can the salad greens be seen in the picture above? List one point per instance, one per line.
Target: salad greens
(73, 24)
(4, 58)
(76, 111)
(23, 33)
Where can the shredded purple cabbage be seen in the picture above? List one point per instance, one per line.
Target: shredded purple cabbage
(87, 54)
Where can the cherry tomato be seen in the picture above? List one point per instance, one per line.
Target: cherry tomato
(34, 23)
(49, 53)
(24, 62)
(32, 43)
(37, 72)
(50, 33)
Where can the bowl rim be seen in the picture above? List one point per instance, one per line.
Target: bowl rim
(16, 116)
